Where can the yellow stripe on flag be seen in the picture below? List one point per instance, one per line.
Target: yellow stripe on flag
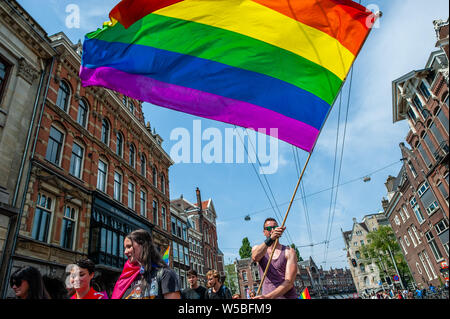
(260, 22)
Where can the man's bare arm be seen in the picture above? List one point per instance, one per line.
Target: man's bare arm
(259, 251)
(290, 274)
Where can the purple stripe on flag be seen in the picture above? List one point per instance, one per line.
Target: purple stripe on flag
(202, 104)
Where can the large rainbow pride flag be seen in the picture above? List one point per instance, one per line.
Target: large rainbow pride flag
(258, 64)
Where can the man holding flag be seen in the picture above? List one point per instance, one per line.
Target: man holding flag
(279, 283)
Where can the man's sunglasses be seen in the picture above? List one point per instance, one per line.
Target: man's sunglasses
(16, 282)
(269, 228)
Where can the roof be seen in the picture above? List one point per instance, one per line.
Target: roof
(205, 204)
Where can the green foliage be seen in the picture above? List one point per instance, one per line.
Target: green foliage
(381, 242)
(246, 250)
(231, 280)
(299, 258)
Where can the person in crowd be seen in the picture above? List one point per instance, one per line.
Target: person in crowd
(55, 287)
(279, 281)
(27, 283)
(432, 289)
(145, 274)
(419, 294)
(195, 291)
(252, 294)
(216, 290)
(80, 278)
(236, 296)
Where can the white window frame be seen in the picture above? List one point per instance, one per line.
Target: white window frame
(406, 240)
(405, 210)
(73, 219)
(80, 173)
(412, 237)
(424, 266)
(106, 176)
(429, 264)
(143, 202)
(61, 151)
(131, 199)
(118, 196)
(50, 211)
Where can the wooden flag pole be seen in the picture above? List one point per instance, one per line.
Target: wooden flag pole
(274, 245)
(377, 15)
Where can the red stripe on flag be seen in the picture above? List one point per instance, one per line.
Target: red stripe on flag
(128, 12)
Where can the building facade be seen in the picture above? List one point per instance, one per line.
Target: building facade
(180, 256)
(417, 203)
(25, 58)
(204, 250)
(96, 172)
(365, 272)
(248, 276)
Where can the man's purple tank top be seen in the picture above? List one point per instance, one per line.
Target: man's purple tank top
(275, 274)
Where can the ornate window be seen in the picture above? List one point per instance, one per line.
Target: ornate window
(76, 160)
(82, 113)
(54, 147)
(62, 101)
(42, 218)
(68, 227)
(105, 131)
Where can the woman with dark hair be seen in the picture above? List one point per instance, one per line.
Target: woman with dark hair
(145, 275)
(81, 274)
(27, 283)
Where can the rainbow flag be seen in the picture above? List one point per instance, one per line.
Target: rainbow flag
(258, 64)
(305, 294)
(166, 255)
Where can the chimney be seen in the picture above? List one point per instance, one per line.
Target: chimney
(199, 199)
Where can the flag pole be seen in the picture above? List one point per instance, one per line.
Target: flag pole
(376, 16)
(274, 246)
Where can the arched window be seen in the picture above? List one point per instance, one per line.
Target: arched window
(82, 113)
(105, 131)
(62, 101)
(132, 161)
(55, 146)
(119, 144)
(155, 212)
(143, 164)
(131, 107)
(163, 184)
(155, 176)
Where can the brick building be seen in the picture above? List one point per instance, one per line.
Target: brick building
(248, 276)
(204, 250)
(417, 203)
(180, 256)
(337, 281)
(97, 172)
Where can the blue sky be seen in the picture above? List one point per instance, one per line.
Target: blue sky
(402, 42)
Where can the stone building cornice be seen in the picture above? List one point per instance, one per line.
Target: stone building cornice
(26, 28)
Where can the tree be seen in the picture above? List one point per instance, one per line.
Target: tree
(231, 280)
(299, 258)
(246, 250)
(382, 244)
